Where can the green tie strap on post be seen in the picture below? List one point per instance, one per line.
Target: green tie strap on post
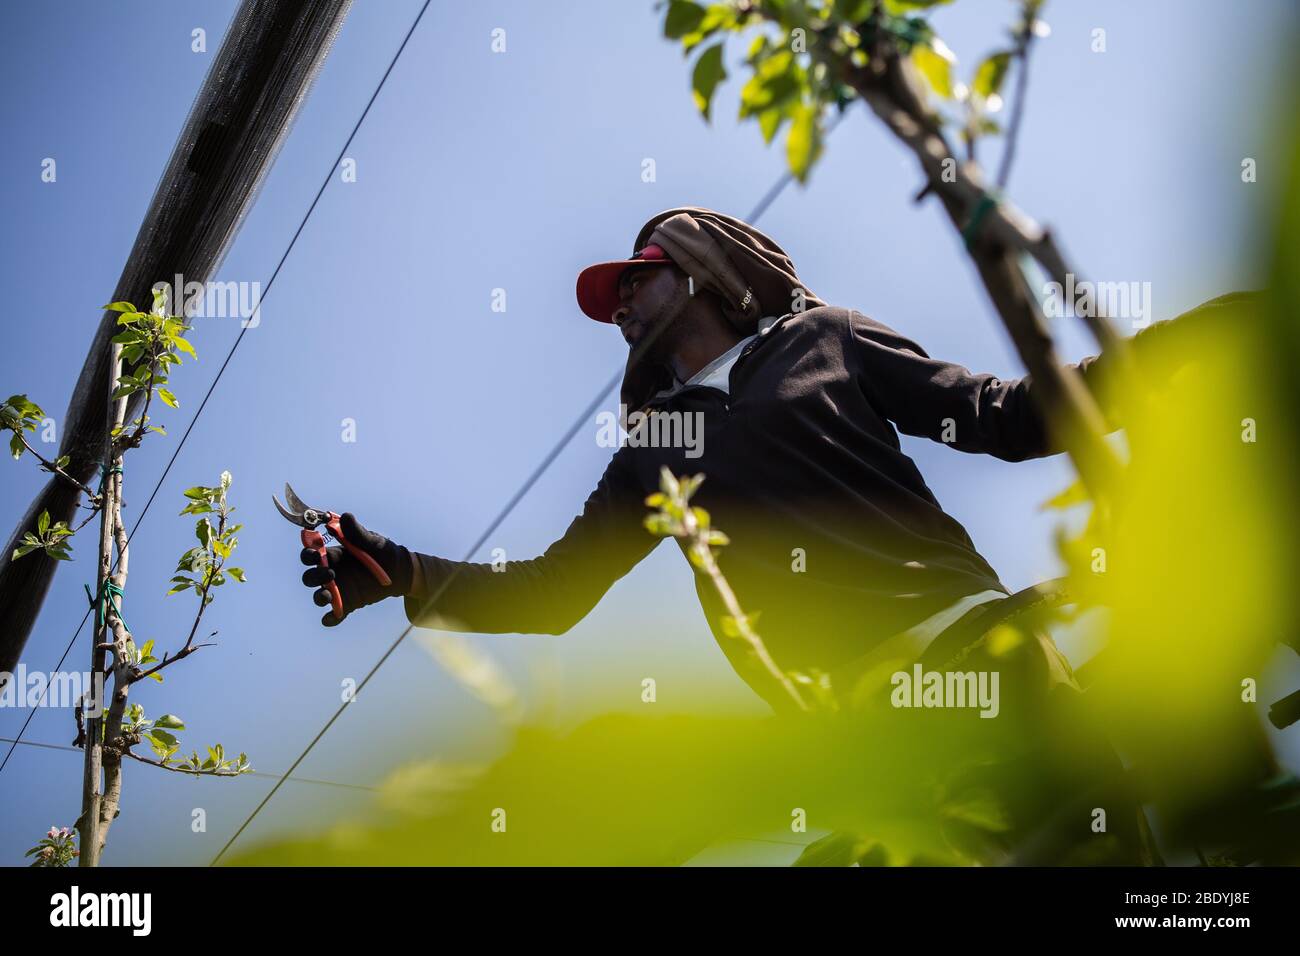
(110, 594)
(986, 202)
(104, 472)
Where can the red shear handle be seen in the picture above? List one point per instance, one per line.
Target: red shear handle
(314, 540)
(371, 565)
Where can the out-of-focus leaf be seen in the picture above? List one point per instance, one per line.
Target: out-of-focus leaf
(1075, 494)
(682, 17)
(804, 143)
(990, 74)
(935, 68)
(709, 72)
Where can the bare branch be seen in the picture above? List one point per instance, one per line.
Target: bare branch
(1024, 38)
(93, 511)
(139, 675)
(52, 467)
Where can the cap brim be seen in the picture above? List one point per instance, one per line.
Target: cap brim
(598, 286)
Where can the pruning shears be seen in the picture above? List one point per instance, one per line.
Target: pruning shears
(309, 519)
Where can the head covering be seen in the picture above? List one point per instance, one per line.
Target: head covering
(749, 272)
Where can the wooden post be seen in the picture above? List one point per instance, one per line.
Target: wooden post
(92, 825)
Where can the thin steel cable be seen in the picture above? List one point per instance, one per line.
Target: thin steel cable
(239, 338)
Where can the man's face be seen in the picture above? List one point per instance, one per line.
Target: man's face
(651, 299)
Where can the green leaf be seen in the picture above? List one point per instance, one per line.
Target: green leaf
(168, 397)
(682, 18)
(981, 809)
(990, 74)
(776, 81)
(43, 523)
(936, 68)
(16, 446)
(803, 145)
(718, 16)
(237, 574)
(854, 11)
(23, 549)
(769, 122)
(1075, 494)
(170, 721)
(910, 6)
(709, 72)
(184, 346)
(119, 307)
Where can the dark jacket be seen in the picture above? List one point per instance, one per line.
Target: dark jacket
(803, 454)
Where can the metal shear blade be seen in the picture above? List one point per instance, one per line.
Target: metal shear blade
(302, 514)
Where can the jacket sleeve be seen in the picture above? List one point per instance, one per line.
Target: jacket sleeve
(978, 412)
(550, 593)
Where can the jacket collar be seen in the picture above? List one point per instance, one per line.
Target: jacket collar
(765, 327)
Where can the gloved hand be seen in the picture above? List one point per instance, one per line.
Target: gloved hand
(357, 586)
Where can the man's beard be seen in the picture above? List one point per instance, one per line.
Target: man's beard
(663, 330)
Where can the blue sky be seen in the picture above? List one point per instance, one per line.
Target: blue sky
(479, 171)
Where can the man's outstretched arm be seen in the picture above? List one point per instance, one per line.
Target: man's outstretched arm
(977, 412)
(550, 593)
(544, 595)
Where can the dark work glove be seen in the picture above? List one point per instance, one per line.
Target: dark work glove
(357, 586)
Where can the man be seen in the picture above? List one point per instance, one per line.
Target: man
(792, 408)
(835, 537)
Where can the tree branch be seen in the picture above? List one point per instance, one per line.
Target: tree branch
(52, 467)
(96, 810)
(1005, 233)
(193, 773)
(138, 675)
(1024, 37)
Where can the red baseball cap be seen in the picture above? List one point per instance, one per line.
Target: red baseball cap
(598, 284)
